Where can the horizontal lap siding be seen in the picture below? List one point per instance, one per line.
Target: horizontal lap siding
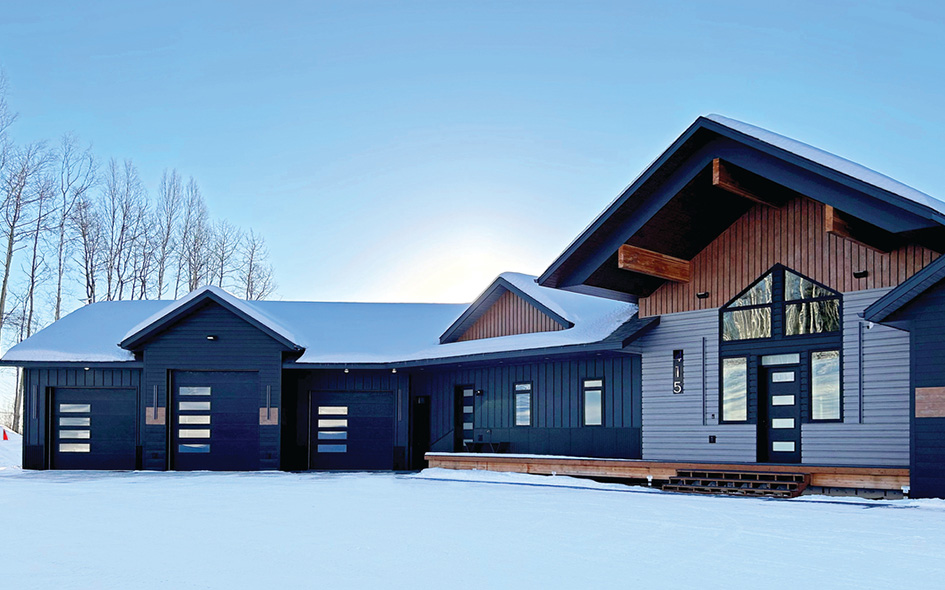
(678, 426)
(794, 236)
(509, 315)
(38, 383)
(882, 437)
(557, 406)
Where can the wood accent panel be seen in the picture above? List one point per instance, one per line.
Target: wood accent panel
(793, 235)
(154, 416)
(510, 315)
(874, 478)
(269, 417)
(930, 402)
(726, 176)
(842, 225)
(654, 264)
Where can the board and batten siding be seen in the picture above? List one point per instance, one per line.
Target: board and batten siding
(677, 426)
(39, 385)
(794, 236)
(876, 432)
(557, 406)
(510, 315)
(239, 346)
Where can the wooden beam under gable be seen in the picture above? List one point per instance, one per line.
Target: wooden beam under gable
(740, 182)
(845, 226)
(654, 264)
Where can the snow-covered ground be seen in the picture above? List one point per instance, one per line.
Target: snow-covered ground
(445, 529)
(11, 450)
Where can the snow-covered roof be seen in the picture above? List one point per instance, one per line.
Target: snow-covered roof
(239, 306)
(573, 307)
(330, 332)
(832, 161)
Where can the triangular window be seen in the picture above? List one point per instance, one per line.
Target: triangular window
(807, 307)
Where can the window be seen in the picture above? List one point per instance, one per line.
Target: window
(735, 389)
(523, 404)
(806, 307)
(749, 315)
(825, 385)
(593, 402)
(811, 308)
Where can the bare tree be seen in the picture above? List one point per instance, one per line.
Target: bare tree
(255, 273)
(225, 248)
(124, 208)
(37, 260)
(87, 223)
(195, 237)
(76, 175)
(170, 202)
(20, 189)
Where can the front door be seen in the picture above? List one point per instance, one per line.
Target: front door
(779, 424)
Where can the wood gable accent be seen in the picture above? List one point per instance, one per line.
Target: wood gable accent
(794, 235)
(510, 315)
(653, 264)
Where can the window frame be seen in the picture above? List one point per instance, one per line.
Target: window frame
(531, 406)
(747, 418)
(810, 387)
(778, 306)
(584, 390)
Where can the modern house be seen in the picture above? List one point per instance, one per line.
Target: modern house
(748, 304)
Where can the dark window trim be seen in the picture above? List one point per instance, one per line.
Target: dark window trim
(584, 390)
(531, 403)
(810, 386)
(747, 359)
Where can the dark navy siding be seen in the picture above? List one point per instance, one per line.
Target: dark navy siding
(925, 316)
(38, 385)
(557, 406)
(184, 347)
(298, 385)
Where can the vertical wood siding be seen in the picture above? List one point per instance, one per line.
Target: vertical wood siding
(794, 236)
(510, 315)
(557, 406)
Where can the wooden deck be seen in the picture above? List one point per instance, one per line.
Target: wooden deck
(865, 478)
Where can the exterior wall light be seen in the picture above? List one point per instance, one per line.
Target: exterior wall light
(211, 337)
(861, 274)
(702, 295)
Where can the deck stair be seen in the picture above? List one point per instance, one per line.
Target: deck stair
(739, 483)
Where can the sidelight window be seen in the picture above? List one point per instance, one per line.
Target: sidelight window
(825, 385)
(735, 389)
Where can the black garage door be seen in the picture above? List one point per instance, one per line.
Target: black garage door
(352, 430)
(93, 429)
(215, 424)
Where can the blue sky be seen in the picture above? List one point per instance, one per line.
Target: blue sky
(412, 151)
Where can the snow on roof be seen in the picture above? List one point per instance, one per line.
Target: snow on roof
(574, 307)
(832, 161)
(89, 334)
(242, 306)
(330, 332)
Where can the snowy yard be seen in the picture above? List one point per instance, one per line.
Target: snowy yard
(273, 530)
